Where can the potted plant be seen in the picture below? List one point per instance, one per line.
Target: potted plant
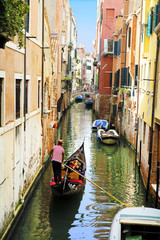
(121, 92)
(12, 19)
(128, 92)
(95, 63)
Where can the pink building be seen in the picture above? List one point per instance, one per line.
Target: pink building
(106, 22)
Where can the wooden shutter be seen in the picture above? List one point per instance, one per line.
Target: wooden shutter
(148, 25)
(18, 85)
(115, 48)
(123, 77)
(114, 110)
(156, 10)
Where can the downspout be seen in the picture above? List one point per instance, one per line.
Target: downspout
(42, 59)
(152, 122)
(138, 82)
(24, 113)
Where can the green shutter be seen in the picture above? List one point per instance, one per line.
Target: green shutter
(156, 10)
(148, 25)
(75, 53)
(123, 77)
(114, 110)
(115, 48)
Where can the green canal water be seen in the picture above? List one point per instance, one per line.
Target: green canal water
(89, 215)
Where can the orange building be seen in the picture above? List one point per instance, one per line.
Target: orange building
(106, 22)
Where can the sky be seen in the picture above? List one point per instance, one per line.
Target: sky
(85, 12)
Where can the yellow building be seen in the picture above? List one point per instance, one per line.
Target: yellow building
(147, 140)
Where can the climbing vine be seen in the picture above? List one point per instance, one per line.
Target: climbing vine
(12, 18)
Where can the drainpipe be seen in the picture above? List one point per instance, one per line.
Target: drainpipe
(126, 46)
(24, 110)
(152, 122)
(42, 58)
(139, 62)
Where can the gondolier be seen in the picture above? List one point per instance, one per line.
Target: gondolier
(73, 169)
(57, 159)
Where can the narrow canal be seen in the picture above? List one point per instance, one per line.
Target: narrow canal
(89, 215)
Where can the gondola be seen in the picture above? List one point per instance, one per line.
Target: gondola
(73, 170)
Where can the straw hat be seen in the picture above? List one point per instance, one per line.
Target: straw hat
(60, 141)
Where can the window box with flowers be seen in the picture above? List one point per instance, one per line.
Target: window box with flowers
(124, 91)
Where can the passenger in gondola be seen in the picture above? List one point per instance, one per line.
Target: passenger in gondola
(57, 159)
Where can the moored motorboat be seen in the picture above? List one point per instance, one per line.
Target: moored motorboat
(99, 123)
(79, 98)
(108, 137)
(136, 223)
(72, 182)
(89, 102)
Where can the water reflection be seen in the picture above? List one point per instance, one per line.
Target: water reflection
(62, 214)
(90, 215)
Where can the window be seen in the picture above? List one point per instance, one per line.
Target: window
(18, 97)
(26, 96)
(135, 74)
(88, 67)
(116, 79)
(108, 45)
(129, 37)
(39, 93)
(129, 116)
(109, 13)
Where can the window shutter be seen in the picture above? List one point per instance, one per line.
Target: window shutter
(101, 17)
(114, 110)
(110, 79)
(119, 46)
(115, 48)
(148, 25)
(76, 53)
(156, 10)
(135, 74)
(159, 12)
(123, 77)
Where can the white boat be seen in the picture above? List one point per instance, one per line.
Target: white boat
(108, 137)
(99, 123)
(136, 223)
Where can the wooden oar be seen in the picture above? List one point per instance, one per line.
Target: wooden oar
(127, 205)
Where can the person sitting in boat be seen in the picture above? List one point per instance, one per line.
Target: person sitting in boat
(57, 159)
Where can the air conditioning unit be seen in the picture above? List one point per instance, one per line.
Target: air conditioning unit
(108, 46)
